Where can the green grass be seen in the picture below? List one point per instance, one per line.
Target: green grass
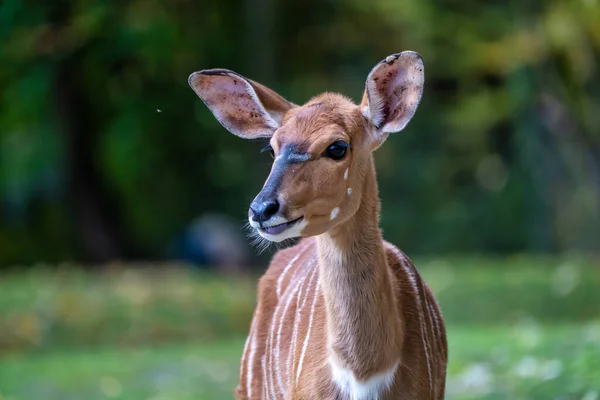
(524, 362)
(520, 362)
(519, 328)
(177, 372)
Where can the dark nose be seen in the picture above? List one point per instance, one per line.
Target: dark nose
(262, 211)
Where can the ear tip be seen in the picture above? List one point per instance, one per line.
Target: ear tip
(194, 77)
(414, 57)
(405, 55)
(412, 54)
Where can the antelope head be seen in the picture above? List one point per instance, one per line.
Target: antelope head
(322, 150)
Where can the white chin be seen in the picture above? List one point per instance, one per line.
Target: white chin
(293, 231)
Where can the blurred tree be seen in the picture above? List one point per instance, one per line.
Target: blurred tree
(106, 153)
(93, 205)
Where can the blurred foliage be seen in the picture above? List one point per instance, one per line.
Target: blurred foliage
(43, 309)
(106, 153)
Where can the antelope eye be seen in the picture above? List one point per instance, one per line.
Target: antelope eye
(337, 150)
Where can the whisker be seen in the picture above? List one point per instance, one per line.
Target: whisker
(258, 242)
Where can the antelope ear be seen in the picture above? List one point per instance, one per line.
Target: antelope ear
(392, 92)
(245, 108)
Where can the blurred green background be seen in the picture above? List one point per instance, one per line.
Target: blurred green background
(125, 273)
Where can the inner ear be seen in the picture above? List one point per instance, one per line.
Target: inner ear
(393, 91)
(244, 107)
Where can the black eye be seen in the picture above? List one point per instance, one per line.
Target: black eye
(337, 150)
(269, 149)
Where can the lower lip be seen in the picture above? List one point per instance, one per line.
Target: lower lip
(277, 229)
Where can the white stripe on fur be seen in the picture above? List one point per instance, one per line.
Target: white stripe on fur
(305, 345)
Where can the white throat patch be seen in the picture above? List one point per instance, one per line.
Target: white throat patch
(370, 389)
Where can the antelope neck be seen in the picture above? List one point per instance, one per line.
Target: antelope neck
(362, 324)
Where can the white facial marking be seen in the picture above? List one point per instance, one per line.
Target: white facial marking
(253, 223)
(298, 157)
(274, 220)
(334, 213)
(370, 389)
(346, 174)
(349, 191)
(292, 232)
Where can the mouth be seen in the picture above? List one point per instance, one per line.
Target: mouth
(279, 228)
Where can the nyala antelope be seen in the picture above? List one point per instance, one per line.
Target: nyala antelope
(343, 314)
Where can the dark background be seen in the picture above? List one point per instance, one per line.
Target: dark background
(503, 155)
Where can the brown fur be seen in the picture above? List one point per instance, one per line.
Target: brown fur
(342, 296)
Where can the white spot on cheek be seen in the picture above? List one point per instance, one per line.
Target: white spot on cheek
(349, 191)
(346, 174)
(334, 213)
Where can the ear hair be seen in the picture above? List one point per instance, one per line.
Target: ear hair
(244, 107)
(393, 91)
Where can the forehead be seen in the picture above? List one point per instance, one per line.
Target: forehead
(319, 120)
